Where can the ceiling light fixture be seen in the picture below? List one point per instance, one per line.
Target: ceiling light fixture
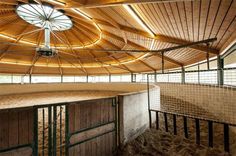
(44, 16)
(133, 13)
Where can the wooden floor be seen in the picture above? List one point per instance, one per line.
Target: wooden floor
(23, 100)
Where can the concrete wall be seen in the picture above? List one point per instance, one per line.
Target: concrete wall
(134, 116)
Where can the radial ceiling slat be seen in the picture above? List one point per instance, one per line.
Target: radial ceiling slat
(177, 21)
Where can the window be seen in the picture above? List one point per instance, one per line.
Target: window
(175, 77)
(162, 78)
(191, 77)
(45, 79)
(5, 78)
(68, 79)
(80, 78)
(208, 77)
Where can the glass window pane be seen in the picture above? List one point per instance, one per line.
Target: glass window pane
(5, 79)
(80, 79)
(68, 79)
(230, 60)
(208, 77)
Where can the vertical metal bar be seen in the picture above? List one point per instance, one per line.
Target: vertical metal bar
(150, 115)
(116, 122)
(157, 120)
(166, 122)
(49, 131)
(210, 133)
(35, 149)
(54, 130)
(162, 63)
(174, 124)
(61, 108)
(185, 126)
(220, 71)
(109, 77)
(67, 133)
(30, 78)
(155, 76)
(197, 125)
(47, 35)
(226, 137)
(43, 113)
(208, 61)
(183, 75)
(198, 73)
(87, 78)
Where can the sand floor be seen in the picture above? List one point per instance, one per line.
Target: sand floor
(160, 143)
(32, 99)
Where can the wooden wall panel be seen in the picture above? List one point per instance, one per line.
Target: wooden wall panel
(16, 129)
(88, 114)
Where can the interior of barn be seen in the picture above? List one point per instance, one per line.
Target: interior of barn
(117, 77)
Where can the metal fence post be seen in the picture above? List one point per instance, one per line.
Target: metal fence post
(150, 116)
(183, 75)
(49, 130)
(67, 136)
(35, 148)
(220, 72)
(54, 130)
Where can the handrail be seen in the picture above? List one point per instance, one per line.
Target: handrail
(193, 117)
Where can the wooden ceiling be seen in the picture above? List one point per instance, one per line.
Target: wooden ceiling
(173, 22)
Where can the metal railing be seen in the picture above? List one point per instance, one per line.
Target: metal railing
(197, 127)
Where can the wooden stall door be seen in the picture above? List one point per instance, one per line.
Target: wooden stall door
(92, 128)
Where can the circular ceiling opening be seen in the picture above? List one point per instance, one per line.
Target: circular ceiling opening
(44, 16)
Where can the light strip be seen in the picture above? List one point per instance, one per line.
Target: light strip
(57, 2)
(138, 19)
(64, 66)
(152, 44)
(82, 14)
(7, 37)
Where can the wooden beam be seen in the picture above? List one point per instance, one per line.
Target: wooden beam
(161, 38)
(141, 48)
(9, 2)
